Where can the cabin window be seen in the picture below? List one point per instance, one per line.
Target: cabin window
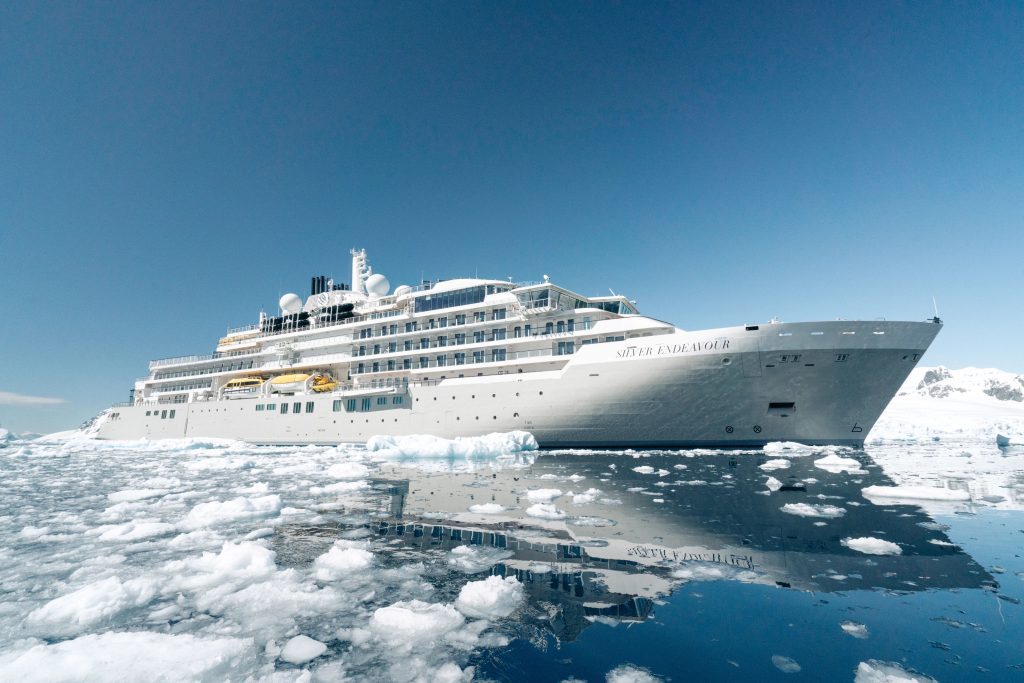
(442, 321)
(259, 407)
(499, 334)
(350, 405)
(842, 357)
(397, 400)
(460, 319)
(284, 408)
(336, 406)
(376, 367)
(478, 336)
(460, 359)
(163, 414)
(296, 407)
(424, 361)
(442, 340)
(366, 404)
(478, 356)
(391, 365)
(309, 406)
(147, 413)
(565, 348)
(479, 316)
(441, 361)
(392, 347)
(407, 363)
(271, 406)
(407, 345)
(171, 415)
(498, 355)
(498, 314)
(382, 400)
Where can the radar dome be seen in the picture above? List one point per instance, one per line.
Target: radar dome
(402, 290)
(290, 303)
(377, 285)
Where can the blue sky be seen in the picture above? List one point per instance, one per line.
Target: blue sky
(170, 169)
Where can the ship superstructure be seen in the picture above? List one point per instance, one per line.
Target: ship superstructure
(469, 356)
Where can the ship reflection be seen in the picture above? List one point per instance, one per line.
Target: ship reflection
(666, 519)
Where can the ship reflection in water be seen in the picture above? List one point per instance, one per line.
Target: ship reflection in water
(643, 525)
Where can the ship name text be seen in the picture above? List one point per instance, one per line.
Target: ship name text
(672, 349)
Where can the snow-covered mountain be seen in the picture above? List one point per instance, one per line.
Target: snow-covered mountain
(941, 382)
(969, 403)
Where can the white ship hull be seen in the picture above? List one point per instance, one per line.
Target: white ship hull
(817, 383)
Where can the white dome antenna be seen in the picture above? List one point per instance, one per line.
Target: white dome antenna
(377, 285)
(290, 304)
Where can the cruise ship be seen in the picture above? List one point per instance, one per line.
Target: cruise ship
(471, 356)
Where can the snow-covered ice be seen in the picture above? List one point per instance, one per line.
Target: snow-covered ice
(874, 671)
(302, 649)
(872, 546)
(492, 598)
(811, 510)
(775, 464)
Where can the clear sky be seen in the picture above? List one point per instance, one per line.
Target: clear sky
(169, 169)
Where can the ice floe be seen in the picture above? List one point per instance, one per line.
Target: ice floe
(810, 510)
(872, 546)
(302, 649)
(775, 464)
(874, 671)
(492, 598)
(545, 511)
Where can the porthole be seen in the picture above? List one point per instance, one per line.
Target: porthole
(726, 361)
(515, 414)
(478, 417)
(494, 395)
(541, 393)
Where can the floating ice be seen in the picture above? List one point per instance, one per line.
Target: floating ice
(585, 498)
(90, 605)
(475, 559)
(543, 495)
(492, 598)
(914, 493)
(348, 470)
(135, 531)
(341, 560)
(836, 464)
(135, 656)
(423, 445)
(773, 484)
(776, 464)
(487, 509)
(216, 512)
(855, 629)
(872, 546)
(786, 665)
(545, 511)
(808, 510)
(875, 671)
(136, 494)
(627, 673)
(644, 469)
(302, 649)
(412, 623)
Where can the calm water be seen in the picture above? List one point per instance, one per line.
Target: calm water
(689, 565)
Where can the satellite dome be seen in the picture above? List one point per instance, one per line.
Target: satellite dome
(290, 303)
(377, 285)
(402, 290)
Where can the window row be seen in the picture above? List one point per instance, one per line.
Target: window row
(432, 323)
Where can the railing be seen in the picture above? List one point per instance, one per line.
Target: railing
(244, 328)
(431, 364)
